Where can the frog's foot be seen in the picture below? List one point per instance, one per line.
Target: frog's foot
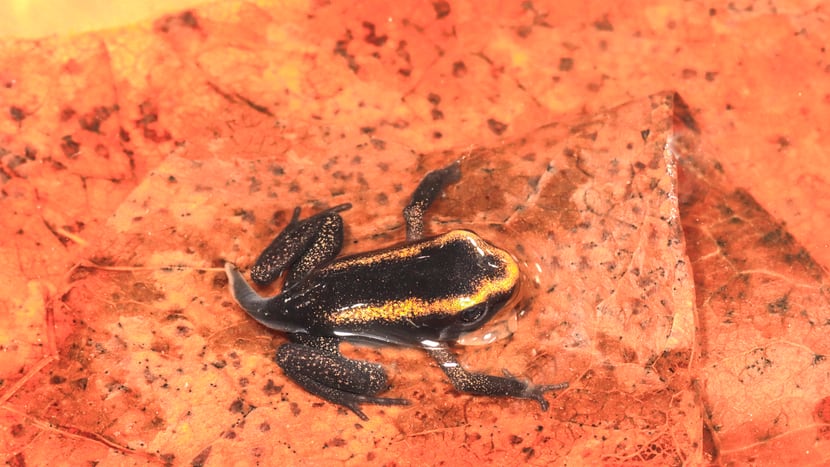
(535, 392)
(335, 378)
(347, 399)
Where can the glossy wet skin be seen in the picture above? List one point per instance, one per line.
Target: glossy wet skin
(424, 292)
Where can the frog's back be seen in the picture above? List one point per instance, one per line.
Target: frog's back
(421, 286)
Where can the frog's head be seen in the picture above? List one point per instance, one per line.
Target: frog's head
(474, 317)
(488, 278)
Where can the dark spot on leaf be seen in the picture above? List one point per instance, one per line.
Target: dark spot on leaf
(821, 413)
(236, 406)
(80, 383)
(70, 147)
(524, 31)
(149, 116)
(189, 19)
(186, 19)
(174, 316)
(276, 170)
(372, 37)
(603, 25)
(18, 460)
(459, 69)
(271, 389)
(245, 214)
(55, 379)
(442, 9)
(780, 306)
(341, 49)
(17, 113)
(102, 151)
(777, 237)
(496, 126)
(67, 113)
(803, 258)
(91, 121)
(336, 442)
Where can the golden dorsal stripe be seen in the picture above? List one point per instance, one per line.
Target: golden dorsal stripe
(408, 251)
(416, 307)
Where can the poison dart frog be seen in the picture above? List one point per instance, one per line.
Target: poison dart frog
(424, 292)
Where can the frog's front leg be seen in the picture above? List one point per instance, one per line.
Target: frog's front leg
(423, 196)
(315, 363)
(489, 385)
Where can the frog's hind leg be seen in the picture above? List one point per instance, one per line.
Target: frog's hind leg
(423, 196)
(317, 365)
(489, 385)
(303, 245)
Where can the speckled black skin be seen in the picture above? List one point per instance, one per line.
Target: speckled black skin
(423, 269)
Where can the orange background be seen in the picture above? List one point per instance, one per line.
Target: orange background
(756, 76)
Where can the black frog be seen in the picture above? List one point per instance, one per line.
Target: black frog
(424, 292)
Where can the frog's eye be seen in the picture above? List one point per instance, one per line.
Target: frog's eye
(473, 314)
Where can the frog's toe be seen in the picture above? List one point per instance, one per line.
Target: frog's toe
(350, 400)
(382, 400)
(537, 393)
(355, 400)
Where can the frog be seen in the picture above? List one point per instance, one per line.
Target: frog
(424, 292)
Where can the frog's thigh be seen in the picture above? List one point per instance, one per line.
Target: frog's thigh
(323, 247)
(331, 370)
(304, 244)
